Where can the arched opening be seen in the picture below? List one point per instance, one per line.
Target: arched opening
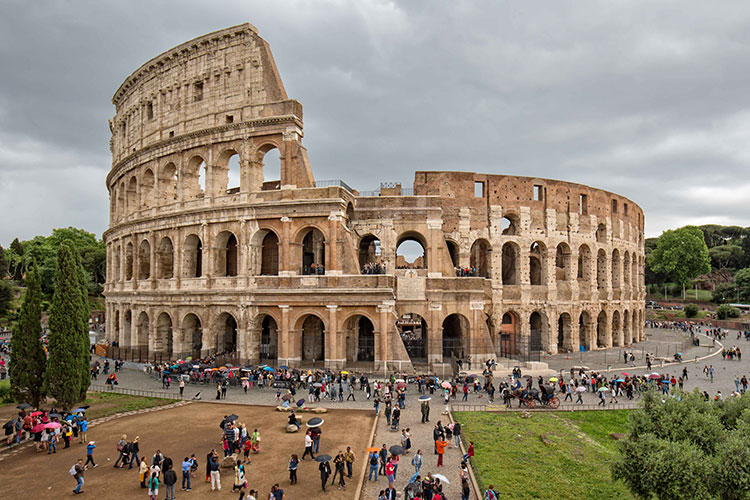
(116, 271)
(129, 264)
(115, 335)
(313, 252)
(122, 208)
(202, 174)
(410, 252)
(511, 264)
(163, 342)
(127, 321)
(627, 333)
(147, 189)
(584, 333)
(601, 233)
(193, 178)
(269, 339)
(601, 269)
(562, 262)
(144, 260)
(453, 252)
(168, 184)
(141, 331)
(538, 327)
(455, 332)
(233, 174)
(584, 264)
(626, 269)
(537, 260)
(269, 260)
(226, 255)
(601, 330)
(192, 334)
(509, 334)
(413, 331)
(270, 161)
(192, 266)
(165, 259)
(617, 340)
(563, 332)
(313, 339)
(370, 261)
(509, 225)
(226, 333)
(132, 195)
(634, 271)
(360, 339)
(615, 269)
(481, 258)
(349, 215)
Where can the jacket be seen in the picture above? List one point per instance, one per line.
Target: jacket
(170, 477)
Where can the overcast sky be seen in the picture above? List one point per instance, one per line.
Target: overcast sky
(648, 99)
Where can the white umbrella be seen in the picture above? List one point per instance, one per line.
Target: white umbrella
(442, 478)
(603, 389)
(581, 388)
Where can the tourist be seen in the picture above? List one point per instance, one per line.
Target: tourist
(77, 472)
(170, 479)
(308, 446)
(153, 486)
(349, 456)
(390, 493)
(491, 494)
(83, 426)
(90, 453)
(187, 464)
(255, 441)
(417, 461)
(213, 467)
(121, 445)
(339, 464)
(293, 464)
(440, 445)
(240, 481)
(457, 434)
(134, 449)
(277, 492)
(383, 458)
(325, 472)
(469, 452)
(373, 461)
(390, 472)
(208, 464)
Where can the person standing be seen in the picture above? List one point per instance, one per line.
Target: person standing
(182, 387)
(78, 469)
(373, 460)
(417, 461)
(276, 491)
(90, 453)
(325, 473)
(383, 458)
(293, 464)
(143, 472)
(213, 467)
(255, 441)
(339, 464)
(186, 465)
(440, 445)
(240, 481)
(170, 479)
(153, 486)
(457, 434)
(83, 426)
(349, 457)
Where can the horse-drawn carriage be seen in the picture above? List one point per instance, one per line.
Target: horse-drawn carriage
(530, 397)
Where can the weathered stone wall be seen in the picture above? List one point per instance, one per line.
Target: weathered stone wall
(274, 269)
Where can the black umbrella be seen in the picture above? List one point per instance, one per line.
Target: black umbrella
(424, 398)
(301, 402)
(396, 449)
(315, 422)
(23, 406)
(54, 415)
(9, 423)
(322, 458)
(84, 406)
(231, 418)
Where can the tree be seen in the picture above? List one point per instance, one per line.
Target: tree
(691, 311)
(62, 377)
(687, 448)
(726, 311)
(4, 263)
(724, 292)
(6, 296)
(742, 282)
(27, 356)
(83, 340)
(681, 255)
(725, 257)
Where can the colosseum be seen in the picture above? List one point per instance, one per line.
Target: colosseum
(222, 241)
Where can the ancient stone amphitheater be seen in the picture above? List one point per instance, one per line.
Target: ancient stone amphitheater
(209, 251)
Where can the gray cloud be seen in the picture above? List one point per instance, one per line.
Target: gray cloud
(647, 99)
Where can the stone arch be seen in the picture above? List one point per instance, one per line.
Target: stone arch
(164, 339)
(193, 178)
(114, 335)
(121, 203)
(349, 215)
(129, 261)
(601, 269)
(313, 338)
(144, 260)
(147, 189)
(456, 331)
(227, 254)
(225, 332)
(127, 323)
(411, 251)
(268, 249)
(313, 258)
(453, 251)
(564, 333)
(142, 330)
(227, 172)
(602, 331)
(626, 269)
(601, 233)
(168, 184)
(132, 195)
(563, 263)
(360, 338)
(481, 258)
(269, 338)
(509, 224)
(615, 268)
(511, 263)
(369, 251)
(116, 271)
(537, 263)
(584, 264)
(626, 331)
(510, 329)
(584, 331)
(270, 165)
(165, 259)
(617, 338)
(634, 271)
(192, 265)
(412, 329)
(192, 335)
(539, 329)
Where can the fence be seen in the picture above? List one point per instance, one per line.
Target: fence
(142, 355)
(135, 392)
(334, 182)
(539, 407)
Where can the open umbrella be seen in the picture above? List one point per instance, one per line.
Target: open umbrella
(23, 406)
(445, 384)
(85, 407)
(268, 368)
(344, 372)
(424, 398)
(581, 388)
(396, 449)
(317, 384)
(283, 367)
(372, 449)
(401, 385)
(322, 458)
(36, 413)
(286, 397)
(656, 373)
(624, 374)
(9, 423)
(442, 478)
(231, 418)
(603, 389)
(78, 410)
(52, 425)
(54, 415)
(189, 358)
(37, 428)
(553, 379)
(300, 403)
(654, 376)
(315, 422)
(399, 380)
(620, 380)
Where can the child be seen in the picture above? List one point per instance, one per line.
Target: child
(248, 446)
(90, 454)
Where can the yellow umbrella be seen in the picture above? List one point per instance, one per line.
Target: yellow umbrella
(344, 372)
(553, 379)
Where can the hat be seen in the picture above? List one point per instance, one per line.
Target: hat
(91, 442)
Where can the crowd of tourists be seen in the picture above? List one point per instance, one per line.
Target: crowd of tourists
(373, 268)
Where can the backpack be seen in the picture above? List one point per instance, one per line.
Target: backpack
(72, 470)
(490, 495)
(373, 460)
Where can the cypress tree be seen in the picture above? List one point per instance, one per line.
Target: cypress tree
(62, 378)
(85, 344)
(27, 356)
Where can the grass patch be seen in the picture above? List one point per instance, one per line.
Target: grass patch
(104, 404)
(560, 455)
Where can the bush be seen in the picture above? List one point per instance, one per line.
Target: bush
(5, 392)
(724, 293)
(691, 311)
(726, 311)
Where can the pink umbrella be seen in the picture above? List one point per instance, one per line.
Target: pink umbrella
(625, 374)
(37, 428)
(446, 384)
(52, 425)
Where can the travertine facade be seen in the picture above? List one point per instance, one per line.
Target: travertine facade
(273, 269)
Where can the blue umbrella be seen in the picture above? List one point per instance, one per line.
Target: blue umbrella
(268, 369)
(424, 398)
(284, 367)
(78, 410)
(620, 380)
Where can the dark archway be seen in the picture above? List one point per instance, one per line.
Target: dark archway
(269, 260)
(413, 331)
(509, 334)
(313, 339)
(144, 260)
(453, 252)
(537, 260)
(584, 334)
(481, 258)
(193, 257)
(369, 255)
(269, 339)
(313, 252)
(192, 332)
(455, 334)
(563, 332)
(165, 259)
(538, 327)
(510, 264)
(163, 341)
(601, 330)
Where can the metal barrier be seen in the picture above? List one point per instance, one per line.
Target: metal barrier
(134, 392)
(541, 408)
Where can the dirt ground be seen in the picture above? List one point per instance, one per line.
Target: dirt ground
(178, 432)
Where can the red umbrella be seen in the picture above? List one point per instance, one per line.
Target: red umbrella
(37, 413)
(625, 374)
(52, 425)
(37, 428)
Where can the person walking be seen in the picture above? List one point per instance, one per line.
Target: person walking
(121, 444)
(170, 479)
(255, 441)
(213, 467)
(134, 450)
(153, 486)
(240, 481)
(77, 472)
(187, 464)
(351, 392)
(182, 387)
(293, 464)
(373, 461)
(325, 473)
(350, 458)
(308, 446)
(417, 461)
(440, 445)
(90, 454)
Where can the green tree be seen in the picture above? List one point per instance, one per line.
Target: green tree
(691, 311)
(724, 292)
(742, 282)
(27, 356)
(681, 255)
(4, 263)
(725, 257)
(7, 290)
(62, 377)
(726, 311)
(83, 338)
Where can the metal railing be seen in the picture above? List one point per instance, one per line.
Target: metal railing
(134, 392)
(568, 407)
(334, 182)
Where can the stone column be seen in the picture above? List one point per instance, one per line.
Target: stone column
(435, 233)
(332, 264)
(285, 249)
(335, 352)
(382, 339)
(283, 352)
(435, 335)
